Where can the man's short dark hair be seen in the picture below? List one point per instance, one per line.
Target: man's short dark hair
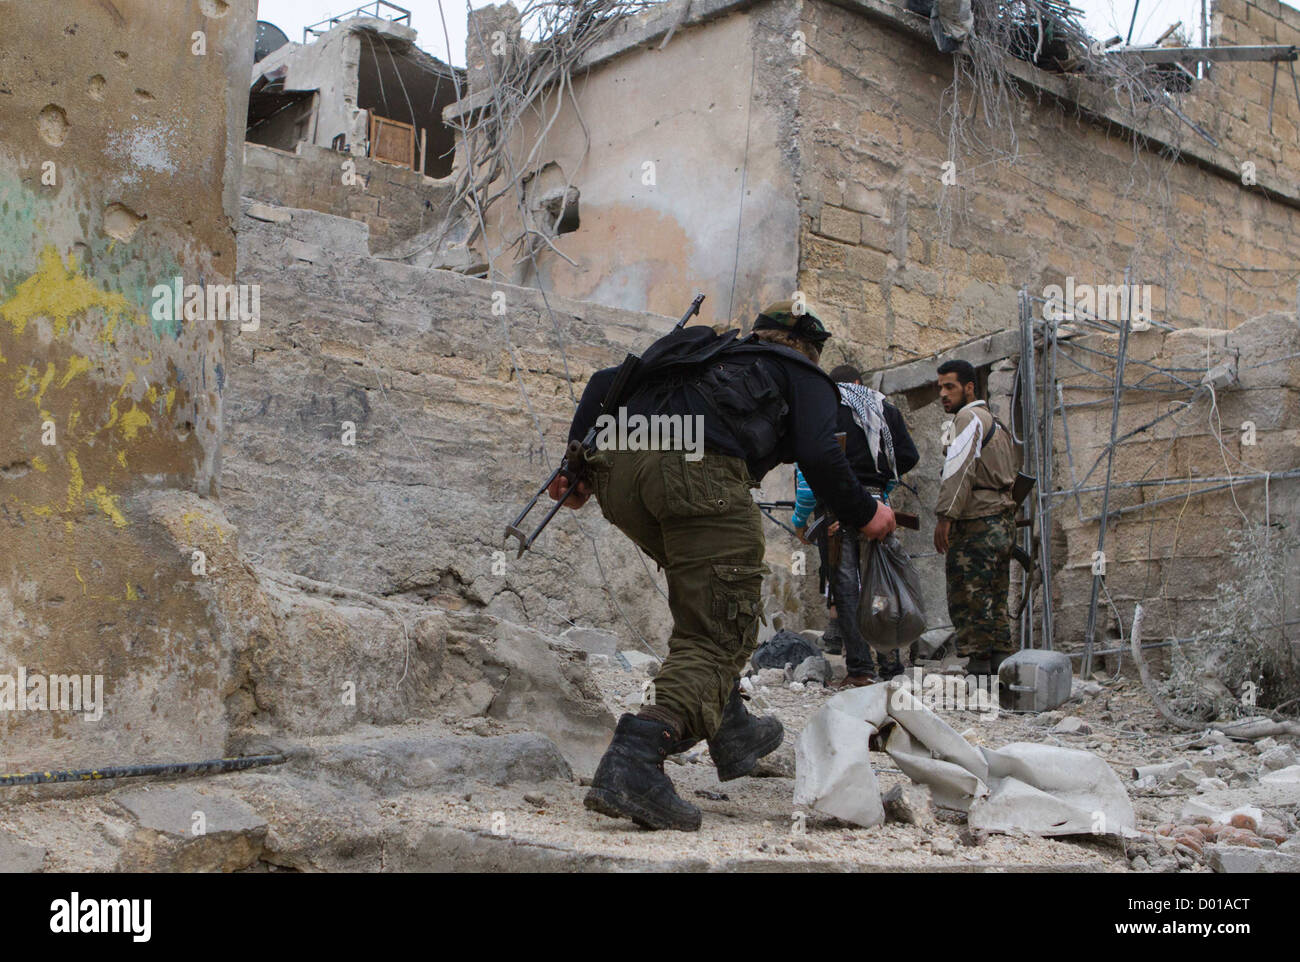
(845, 374)
(964, 370)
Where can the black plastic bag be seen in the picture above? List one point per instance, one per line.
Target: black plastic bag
(891, 614)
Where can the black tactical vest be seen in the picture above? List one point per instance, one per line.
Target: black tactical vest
(734, 377)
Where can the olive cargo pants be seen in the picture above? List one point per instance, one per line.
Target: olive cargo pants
(696, 519)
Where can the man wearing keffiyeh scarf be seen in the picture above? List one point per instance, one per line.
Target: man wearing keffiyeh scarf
(880, 450)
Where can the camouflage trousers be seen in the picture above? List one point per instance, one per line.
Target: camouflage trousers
(696, 519)
(978, 567)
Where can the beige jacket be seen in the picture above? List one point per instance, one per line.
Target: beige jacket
(977, 477)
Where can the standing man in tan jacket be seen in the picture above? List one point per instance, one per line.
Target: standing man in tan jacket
(976, 524)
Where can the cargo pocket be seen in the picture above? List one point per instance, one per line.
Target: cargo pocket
(599, 466)
(737, 601)
(697, 488)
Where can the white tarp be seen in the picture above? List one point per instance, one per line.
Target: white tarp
(1036, 789)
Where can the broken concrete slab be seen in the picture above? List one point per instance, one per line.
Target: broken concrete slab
(815, 669)
(1281, 756)
(390, 764)
(639, 660)
(1072, 725)
(175, 810)
(17, 856)
(1285, 777)
(268, 213)
(549, 690)
(187, 828)
(1241, 860)
(594, 641)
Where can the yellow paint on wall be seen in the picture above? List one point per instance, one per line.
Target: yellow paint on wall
(189, 517)
(171, 399)
(46, 378)
(121, 457)
(76, 365)
(107, 503)
(76, 483)
(132, 421)
(130, 592)
(79, 578)
(39, 464)
(60, 292)
(73, 418)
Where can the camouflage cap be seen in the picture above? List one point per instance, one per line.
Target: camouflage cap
(781, 316)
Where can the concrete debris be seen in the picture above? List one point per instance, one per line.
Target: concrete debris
(1283, 776)
(592, 640)
(639, 660)
(1283, 756)
(908, 804)
(931, 643)
(19, 857)
(1036, 789)
(1234, 859)
(1072, 725)
(942, 846)
(190, 828)
(1161, 772)
(814, 669)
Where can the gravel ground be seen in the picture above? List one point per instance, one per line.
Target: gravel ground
(754, 817)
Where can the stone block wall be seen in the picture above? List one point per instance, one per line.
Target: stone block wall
(120, 126)
(395, 203)
(909, 266)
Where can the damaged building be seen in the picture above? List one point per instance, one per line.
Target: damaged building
(830, 147)
(359, 86)
(278, 542)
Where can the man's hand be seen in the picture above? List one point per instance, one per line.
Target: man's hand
(833, 530)
(802, 534)
(561, 485)
(941, 535)
(881, 525)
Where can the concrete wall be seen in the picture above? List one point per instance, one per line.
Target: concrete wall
(395, 203)
(119, 169)
(330, 65)
(688, 110)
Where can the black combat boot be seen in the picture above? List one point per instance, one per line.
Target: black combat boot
(630, 780)
(742, 739)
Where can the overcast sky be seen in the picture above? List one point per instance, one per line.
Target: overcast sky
(1105, 19)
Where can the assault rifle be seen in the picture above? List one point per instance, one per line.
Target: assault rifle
(574, 465)
(767, 507)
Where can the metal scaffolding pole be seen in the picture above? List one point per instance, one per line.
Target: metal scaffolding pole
(1045, 483)
(1121, 353)
(1029, 428)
